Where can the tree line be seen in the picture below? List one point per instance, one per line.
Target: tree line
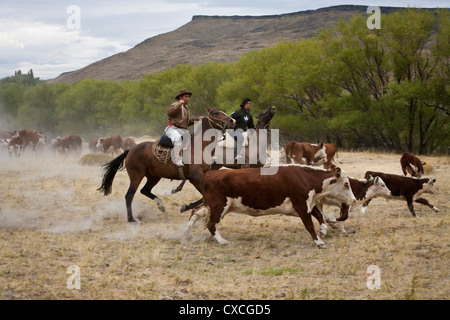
(381, 89)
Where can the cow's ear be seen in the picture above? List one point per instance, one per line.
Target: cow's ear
(208, 109)
(432, 181)
(370, 178)
(424, 163)
(321, 145)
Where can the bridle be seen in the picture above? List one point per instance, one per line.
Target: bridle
(216, 121)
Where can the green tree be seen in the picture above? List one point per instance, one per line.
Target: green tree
(38, 109)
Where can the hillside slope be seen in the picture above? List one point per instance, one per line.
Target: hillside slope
(212, 38)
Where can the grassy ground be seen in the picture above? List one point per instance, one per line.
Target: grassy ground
(52, 217)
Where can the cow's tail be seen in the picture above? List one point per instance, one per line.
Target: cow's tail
(110, 169)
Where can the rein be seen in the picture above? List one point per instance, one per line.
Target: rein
(218, 122)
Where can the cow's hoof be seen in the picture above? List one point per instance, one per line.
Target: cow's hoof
(162, 209)
(322, 246)
(435, 209)
(132, 220)
(183, 208)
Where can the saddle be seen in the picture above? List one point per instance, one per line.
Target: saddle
(162, 149)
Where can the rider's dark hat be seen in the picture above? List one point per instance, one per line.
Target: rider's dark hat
(182, 93)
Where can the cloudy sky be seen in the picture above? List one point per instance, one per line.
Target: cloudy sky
(52, 37)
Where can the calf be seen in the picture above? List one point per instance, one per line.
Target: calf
(406, 188)
(305, 153)
(128, 143)
(93, 146)
(64, 145)
(293, 190)
(412, 165)
(363, 189)
(110, 144)
(14, 145)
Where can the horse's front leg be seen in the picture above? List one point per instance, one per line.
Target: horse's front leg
(195, 177)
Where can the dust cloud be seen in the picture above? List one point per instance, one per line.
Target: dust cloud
(54, 193)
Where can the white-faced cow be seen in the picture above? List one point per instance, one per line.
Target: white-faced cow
(305, 153)
(293, 190)
(363, 189)
(110, 144)
(93, 146)
(69, 143)
(33, 137)
(406, 188)
(14, 146)
(412, 165)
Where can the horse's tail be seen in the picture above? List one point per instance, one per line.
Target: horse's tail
(110, 169)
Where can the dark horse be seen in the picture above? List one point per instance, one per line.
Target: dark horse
(264, 120)
(140, 162)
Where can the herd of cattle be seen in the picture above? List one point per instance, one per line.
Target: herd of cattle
(16, 143)
(303, 190)
(300, 190)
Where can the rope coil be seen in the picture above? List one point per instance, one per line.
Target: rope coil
(161, 153)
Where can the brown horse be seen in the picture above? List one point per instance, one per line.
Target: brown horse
(264, 120)
(140, 162)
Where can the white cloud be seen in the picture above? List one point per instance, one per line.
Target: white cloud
(50, 49)
(33, 34)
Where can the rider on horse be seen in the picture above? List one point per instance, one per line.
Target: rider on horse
(179, 119)
(244, 121)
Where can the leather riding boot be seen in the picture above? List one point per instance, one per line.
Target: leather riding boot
(181, 172)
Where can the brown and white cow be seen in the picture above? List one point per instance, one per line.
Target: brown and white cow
(293, 190)
(93, 146)
(33, 137)
(110, 144)
(305, 153)
(411, 164)
(14, 146)
(69, 143)
(406, 188)
(128, 143)
(363, 189)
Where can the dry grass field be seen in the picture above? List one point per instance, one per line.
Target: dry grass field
(52, 217)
